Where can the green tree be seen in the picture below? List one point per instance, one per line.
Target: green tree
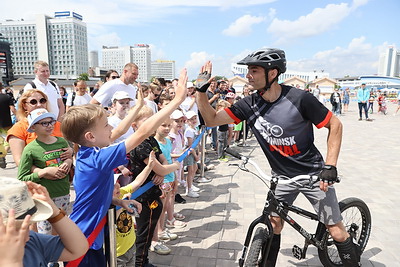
(83, 77)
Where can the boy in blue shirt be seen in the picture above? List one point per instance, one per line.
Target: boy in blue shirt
(87, 126)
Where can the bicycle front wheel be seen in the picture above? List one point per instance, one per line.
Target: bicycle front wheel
(258, 242)
(357, 221)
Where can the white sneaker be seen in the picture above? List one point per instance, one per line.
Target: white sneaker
(192, 194)
(195, 188)
(203, 180)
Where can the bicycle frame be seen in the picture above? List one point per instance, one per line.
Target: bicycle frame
(282, 209)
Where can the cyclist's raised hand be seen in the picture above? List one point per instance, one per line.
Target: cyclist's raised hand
(328, 176)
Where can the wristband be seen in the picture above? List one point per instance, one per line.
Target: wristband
(58, 217)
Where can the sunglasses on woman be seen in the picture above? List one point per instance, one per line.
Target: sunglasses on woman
(34, 101)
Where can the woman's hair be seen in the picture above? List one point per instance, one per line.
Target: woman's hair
(63, 88)
(79, 81)
(155, 86)
(145, 111)
(21, 112)
(80, 119)
(164, 97)
(108, 74)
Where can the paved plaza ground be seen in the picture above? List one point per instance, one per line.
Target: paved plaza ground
(217, 221)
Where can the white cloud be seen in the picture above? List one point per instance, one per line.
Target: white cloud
(242, 26)
(357, 58)
(157, 53)
(318, 21)
(107, 39)
(197, 59)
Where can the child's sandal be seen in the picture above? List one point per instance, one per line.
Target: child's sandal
(175, 224)
(179, 216)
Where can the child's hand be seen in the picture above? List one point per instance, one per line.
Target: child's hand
(50, 173)
(67, 154)
(157, 180)
(13, 240)
(181, 90)
(177, 164)
(138, 205)
(40, 192)
(64, 167)
(140, 98)
(125, 171)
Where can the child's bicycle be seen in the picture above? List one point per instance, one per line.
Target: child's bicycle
(355, 213)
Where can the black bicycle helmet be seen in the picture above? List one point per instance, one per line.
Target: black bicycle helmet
(268, 58)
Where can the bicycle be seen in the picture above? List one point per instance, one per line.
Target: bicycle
(355, 213)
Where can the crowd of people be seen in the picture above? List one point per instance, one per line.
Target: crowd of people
(123, 136)
(366, 99)
(108, 142)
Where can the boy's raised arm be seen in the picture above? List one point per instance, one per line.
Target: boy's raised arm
(154, 121)
(127, 121)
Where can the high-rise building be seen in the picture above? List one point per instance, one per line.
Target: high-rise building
(389, 62)
(60, 40)
(93, 59)
(163, 69)
(6, 71)
(115, 58)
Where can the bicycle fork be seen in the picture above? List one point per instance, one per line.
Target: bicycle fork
(263, 219)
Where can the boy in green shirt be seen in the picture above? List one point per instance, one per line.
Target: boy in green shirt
(41, 162)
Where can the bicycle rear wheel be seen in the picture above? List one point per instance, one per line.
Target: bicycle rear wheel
(357, 221)
(254, 254)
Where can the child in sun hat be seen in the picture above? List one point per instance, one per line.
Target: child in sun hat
(23, 203)
(44, 153)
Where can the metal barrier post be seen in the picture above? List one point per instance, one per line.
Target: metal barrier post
(203, 152)
(110, 242)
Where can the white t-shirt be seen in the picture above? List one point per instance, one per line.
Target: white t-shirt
(114, 121)
(79, 99)
(152, 105)
(107, 90)
(185, 105)
(53, 94)
(191, 133)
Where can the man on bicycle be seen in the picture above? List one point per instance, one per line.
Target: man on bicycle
(281, 118)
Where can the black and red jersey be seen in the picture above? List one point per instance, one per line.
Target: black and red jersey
(284, 129)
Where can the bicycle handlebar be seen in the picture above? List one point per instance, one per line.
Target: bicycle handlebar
(266, 178)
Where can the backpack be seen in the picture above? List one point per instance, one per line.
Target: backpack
(34, 85)
(73, 98)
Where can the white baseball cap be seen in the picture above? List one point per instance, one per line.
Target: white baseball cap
(37, 115)
(190, 114)
(189, 84)
(121, 95)
(177, 114)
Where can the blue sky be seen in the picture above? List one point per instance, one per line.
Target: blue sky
(340, 37)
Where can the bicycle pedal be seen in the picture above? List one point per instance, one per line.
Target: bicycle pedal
(297, 252)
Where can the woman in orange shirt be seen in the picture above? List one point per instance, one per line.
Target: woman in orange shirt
(18, 136)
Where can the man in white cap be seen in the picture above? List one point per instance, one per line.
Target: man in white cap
(30, 202)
